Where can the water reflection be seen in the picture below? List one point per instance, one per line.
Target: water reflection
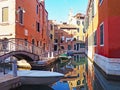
(96, 80)
(80, 74)
(74, 71)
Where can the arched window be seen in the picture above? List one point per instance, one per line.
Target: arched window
(20, 12)
(21, 16)
(78, 82)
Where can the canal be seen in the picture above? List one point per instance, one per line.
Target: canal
(80, 74)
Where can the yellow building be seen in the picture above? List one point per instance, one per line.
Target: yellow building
(78, 21)
(79, 18)
(77, 79)
(91, 24)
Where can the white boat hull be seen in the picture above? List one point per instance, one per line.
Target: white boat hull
(35, 77)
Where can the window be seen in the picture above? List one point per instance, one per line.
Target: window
(100, 2)
(62, 47)
(55, 41)
(26, 42)
(78, 22)
(95, 38)
(77, 46)
(61, 40)
(69, 47)
(38, 43)
(55, 47)
(82, 22)
(74, 47)
(102, 34)
(21, 16)
(4, 14)
(38, 26)
(78, 82)
(37, 9)
(51, 27)
(78, 30)
(82, 45)
(51, 36)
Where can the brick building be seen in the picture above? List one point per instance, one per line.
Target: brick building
(24, 19)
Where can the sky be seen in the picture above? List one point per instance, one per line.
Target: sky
(59, 9)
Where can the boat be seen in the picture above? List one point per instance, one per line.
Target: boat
(35, 77)
(23, 64)
(64, 56)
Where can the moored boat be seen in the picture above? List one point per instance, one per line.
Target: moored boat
(34, 77)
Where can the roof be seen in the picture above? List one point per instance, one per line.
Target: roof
(67, 26)
(79, 16)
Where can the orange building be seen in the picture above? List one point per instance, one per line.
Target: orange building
(24, 19)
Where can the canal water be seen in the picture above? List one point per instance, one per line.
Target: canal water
(80, 74)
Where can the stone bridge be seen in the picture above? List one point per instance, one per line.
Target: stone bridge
(22, 49)
(19, 48)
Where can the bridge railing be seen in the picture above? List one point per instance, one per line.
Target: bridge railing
(10, 45)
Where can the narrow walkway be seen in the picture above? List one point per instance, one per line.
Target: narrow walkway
(6, 77)
(8, 81)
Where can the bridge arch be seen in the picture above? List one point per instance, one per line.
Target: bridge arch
(20, 55)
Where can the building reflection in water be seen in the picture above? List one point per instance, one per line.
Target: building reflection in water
(96, 80)
(74, 71)
(82, 74)
(79, 62)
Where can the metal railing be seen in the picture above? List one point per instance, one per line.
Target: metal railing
(14, 44)
(10, 45)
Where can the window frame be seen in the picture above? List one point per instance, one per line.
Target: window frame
(95, 38)
(102, 44)
(78, 22)
(4, 21)
(100, 2)
(21, 16)
(78, 30)
(37, 26)
(37, 9)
